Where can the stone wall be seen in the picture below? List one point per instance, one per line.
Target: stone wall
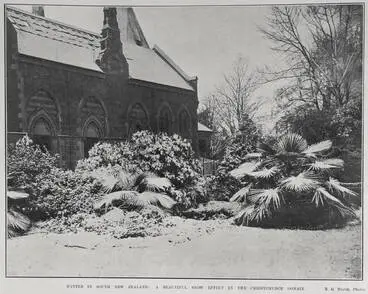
(69, 97)
(54, 92)
(13, 111)
(154, 98)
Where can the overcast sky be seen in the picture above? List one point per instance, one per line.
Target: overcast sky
(203, 40)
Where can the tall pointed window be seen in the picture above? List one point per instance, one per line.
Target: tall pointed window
(184, 124)
(42, 132)
(43, 122)
(165, 121)
(138, 119)
(92, 135)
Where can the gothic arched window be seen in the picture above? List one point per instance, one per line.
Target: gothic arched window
(184, 124)
(138, 119)
(92, 135)
(42, 104)
(91, 106)
(42, 132)
(92, 131)
(165, 121)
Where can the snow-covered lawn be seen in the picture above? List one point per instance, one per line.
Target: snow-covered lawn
(192, 249)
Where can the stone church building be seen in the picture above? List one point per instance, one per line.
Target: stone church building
(69, 88)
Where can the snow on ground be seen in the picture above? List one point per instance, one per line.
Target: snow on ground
(192, 249)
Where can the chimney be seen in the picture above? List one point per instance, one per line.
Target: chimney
(38, 10)
(111, 58)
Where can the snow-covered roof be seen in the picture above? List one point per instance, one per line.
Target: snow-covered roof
(48, 39)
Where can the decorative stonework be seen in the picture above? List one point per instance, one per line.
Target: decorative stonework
(137, 118)
(41, 116)
(91, 109)
(111, 59)
(41, 103)
(38, 10)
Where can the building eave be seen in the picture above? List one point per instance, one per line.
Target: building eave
(48, 63)
(176, 67)
(134, 81)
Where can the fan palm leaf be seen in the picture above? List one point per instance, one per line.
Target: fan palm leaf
(335, 185)
(265, 173)
(141, 177)
(128, 199)
(345, 211)
(153, 184)
(132, 200)
(260, 213)
(327, 164)
(109, 183)
(303, 182)
(244, 169)
(318, 147)
(321, 196)
(18, 223)
(252, 213)
(268, 197)
(291, 143)
(241, 194)
(123, 180)
(318, 199)
(157, 199)
(322, 192)
(245, 215)
(106, 179)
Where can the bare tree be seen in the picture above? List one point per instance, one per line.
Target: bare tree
(231, 101)
(323, 50)
(207, 115)
(231, 109)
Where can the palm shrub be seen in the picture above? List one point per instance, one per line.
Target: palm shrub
(130, 191)
(223, 184)
(75, 200)
(18, 223)
(292, 184)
